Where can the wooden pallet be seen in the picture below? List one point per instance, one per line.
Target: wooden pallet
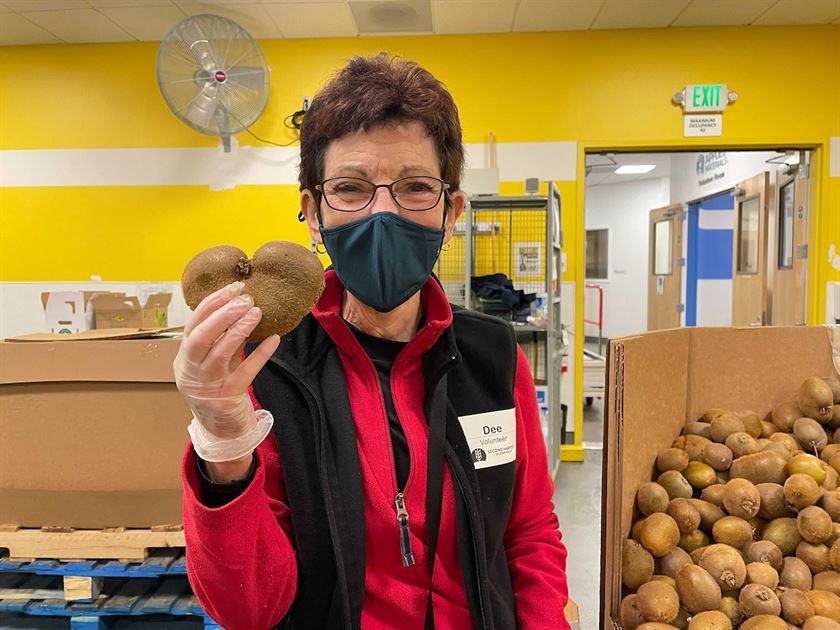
(119, 543)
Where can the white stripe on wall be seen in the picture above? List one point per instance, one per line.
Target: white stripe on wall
(556, 161)
(716, 219)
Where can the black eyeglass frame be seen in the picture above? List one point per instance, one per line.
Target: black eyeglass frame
(390, 187)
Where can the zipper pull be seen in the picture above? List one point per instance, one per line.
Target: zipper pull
(405, 534)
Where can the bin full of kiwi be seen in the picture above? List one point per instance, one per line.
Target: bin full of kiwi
(741, 526)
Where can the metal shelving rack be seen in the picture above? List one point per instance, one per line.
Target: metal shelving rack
(521, 237)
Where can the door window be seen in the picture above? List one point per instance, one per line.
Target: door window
(597, 254)
(748, 219)
(662, 247)
(785, 259)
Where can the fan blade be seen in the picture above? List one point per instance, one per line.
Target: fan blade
(203, 106)
(199, 45)
(247, 78)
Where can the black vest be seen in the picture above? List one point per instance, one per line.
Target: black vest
(303, 386)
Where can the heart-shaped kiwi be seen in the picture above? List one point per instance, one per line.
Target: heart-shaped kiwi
(285, 280)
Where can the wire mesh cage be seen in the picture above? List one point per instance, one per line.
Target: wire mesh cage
(451, 268)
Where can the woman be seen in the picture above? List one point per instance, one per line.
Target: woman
(383, 466)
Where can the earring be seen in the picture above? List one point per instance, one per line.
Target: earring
(320, 245)
(445, 247)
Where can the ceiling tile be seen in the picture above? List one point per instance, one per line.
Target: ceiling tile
(722, 12)
(400, 16)
(146, 24)
(801, 12)
(16, 30)
(321, 19)
(555, 15)
(22, 6)
(250, 16)
(79, 25)
(473, 16)
(639, 13)
(107, 4)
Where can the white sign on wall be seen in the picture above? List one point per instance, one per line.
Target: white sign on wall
(703, 126)
(528, 259)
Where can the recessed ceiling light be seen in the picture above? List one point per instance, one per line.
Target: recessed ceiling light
(634, 169)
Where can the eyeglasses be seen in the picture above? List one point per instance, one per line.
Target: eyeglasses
(352, 194)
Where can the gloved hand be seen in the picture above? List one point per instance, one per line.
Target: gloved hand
(213, 379)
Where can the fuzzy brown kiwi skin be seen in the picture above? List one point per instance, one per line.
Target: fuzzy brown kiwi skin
(762, 573)
(773, 503)
(817, 557)
(766, 552)
(795, 574)
(827, 581)
(784, 533)
(673, 561)
(816, 399)
(718, 456)
(710, 620)
(810, 434)
(785, 415)
(672, 459)
(651, 497)
(631, 616)
(697, 589)
(637, 565)
(818, 622)
(801, 491)
(741, 498)
(764, 622)
(763, 467)
(658, 602)
(684, 514)
(814, 524)
(211, 270)
(796, 607)
(726, 566)
(757, 599)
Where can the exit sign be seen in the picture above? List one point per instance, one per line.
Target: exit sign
(712, 97)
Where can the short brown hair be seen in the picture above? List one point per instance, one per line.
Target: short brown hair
(373, 90)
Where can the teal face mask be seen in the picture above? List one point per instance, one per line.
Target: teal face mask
(383, 259)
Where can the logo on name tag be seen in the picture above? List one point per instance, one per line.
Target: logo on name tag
(491, 437)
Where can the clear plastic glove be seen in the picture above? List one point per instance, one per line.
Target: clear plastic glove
(214, 380)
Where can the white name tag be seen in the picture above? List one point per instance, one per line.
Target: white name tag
(491, 437)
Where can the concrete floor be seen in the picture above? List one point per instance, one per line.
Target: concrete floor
(577, 501)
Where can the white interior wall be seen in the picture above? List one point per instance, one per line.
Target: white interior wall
(693, 178)
(624, 210)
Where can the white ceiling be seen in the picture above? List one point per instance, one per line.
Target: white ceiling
(603, 173)
(74, 21)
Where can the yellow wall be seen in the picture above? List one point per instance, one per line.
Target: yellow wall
(605, 90)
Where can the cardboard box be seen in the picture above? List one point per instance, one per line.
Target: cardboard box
(658, 381)
(116, 310)
(67, 312)
(91, 433)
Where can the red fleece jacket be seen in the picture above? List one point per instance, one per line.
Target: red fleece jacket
(240, 557)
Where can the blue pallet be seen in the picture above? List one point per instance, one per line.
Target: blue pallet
(159, 563)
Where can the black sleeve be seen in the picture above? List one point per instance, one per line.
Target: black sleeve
(214, 494)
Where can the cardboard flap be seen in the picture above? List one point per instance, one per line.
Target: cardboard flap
(158, 300)
(115, 301)
(124, 360)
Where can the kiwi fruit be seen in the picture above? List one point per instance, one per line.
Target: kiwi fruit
(713, 494)
(757, 599)
(818, 622)
(773, 503)
(807, 465)
(761, 573)
(698, 591)
(284, 279)
(636, 531)
(764, 622)
(814, 523)
(673, 561)
(832, 478)
(667, 579)
(725, 425)
(796, 607)
(718, 456)
(655, 625)
(726, 566)
(651, 497)
(815, 556)
(742, 443)
(768, 428)
(685, 515)
(801, 491)
(658, 602)
(787, 440)
(810, 434)
(829, 451)
(711, 414)
(710, 620)
(693, 541)
(795, 574)
(629, 613)
(752, 423)
(834, 461)
(709, 512)
(694, 445)
(758, 526)
(675, 485)
(766, 552)
(729, 607)
(785, 415)
(763, 467)
(826, 604)
(827, 581)
(834, 555)
(784, 533)
(741, 498)
(721, 478)
(672, 459)
(700, 475)
(835, 535)
(698, 428)
(659, 534)
(777, 447)
(636, 565)
(733, 531)
(815, 399)
(833, 383)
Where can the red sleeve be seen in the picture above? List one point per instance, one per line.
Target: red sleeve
(535, 552)
(240, 559)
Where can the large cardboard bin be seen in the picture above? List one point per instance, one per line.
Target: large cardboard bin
(658, 381)
(91, 434)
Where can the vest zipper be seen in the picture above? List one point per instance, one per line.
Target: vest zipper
(405, 533)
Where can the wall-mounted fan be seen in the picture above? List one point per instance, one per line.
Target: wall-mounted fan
(213, 75)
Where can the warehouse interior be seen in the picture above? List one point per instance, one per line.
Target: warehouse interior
(647, 174)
